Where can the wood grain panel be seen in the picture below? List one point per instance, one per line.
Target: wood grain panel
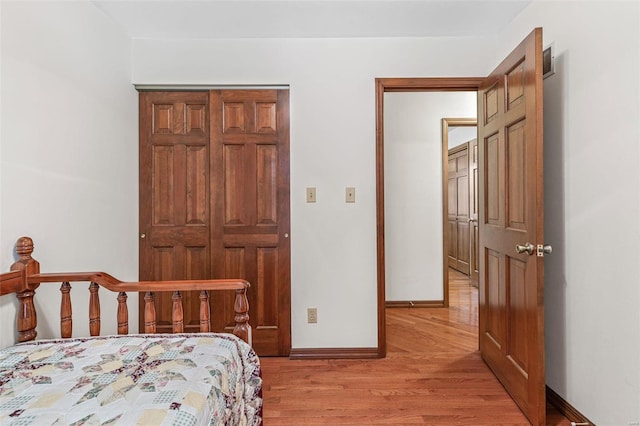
(463, 245)
(196, 119)
(496, 298)
(452, 164)
(266, 117)
(196, 268)
(197, 208)
(452, 252)
(164, 263)
(164, 266)
(518, 347)
(492, 184)
(491, 104)
(462, 162)
(162, 118)
(234, 185)
(266, 185)
(240, 239)
(515, 86)
(179, 124)
(267, 290)
(235, 262)
(452, 202)
(463, 196)
(474, 259)
(233, 117)
(516, 152)
(163, 185)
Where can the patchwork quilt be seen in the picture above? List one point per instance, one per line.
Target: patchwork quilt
(162, 379)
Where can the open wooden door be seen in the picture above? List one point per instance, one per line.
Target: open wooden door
(511, 214)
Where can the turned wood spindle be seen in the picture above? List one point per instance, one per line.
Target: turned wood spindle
(27, 317)
(94, 310)
(149, 313)
(177, 314)
(205, 323)
(123, 314)
(66, 321)
(241, 308)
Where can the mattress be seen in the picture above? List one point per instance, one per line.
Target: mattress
(162, 379)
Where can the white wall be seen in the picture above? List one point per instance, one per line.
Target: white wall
(461, 134)
(592, 203)
(413, 189)
(332, 147)
(69, 153)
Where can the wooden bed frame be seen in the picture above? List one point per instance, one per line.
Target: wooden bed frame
(25, 278)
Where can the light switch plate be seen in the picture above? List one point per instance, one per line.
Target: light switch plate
(350, 194)
(311, 195)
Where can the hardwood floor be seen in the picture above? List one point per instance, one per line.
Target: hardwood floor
(432, 375)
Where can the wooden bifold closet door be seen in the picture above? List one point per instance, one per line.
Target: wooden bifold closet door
(214, 203)
(458, 208)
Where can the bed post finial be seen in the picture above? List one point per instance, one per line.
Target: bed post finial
(27, 318)
(24, 247)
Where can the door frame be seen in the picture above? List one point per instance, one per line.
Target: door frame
(440, 84)
(446, 123)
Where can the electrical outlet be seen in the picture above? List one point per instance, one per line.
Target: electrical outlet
(312, 315)
(350, 194)
(311, 195)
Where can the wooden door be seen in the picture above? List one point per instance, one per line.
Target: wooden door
(511, 213)
(458, 209)
(250, 143)
(174, 197)
(214, 203)
(474, 259)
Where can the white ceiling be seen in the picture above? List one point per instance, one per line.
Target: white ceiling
(310, 18)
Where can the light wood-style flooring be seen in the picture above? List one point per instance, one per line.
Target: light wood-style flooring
(432, 375)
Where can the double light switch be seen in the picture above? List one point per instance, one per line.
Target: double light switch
(350, 194)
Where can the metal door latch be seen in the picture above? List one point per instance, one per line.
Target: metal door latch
(541, 249)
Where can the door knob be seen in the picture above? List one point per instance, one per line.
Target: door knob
(143, 236)
(527, 248)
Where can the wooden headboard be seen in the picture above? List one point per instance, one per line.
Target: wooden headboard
(25, 278)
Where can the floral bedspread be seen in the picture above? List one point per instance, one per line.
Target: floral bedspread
(168, 379)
